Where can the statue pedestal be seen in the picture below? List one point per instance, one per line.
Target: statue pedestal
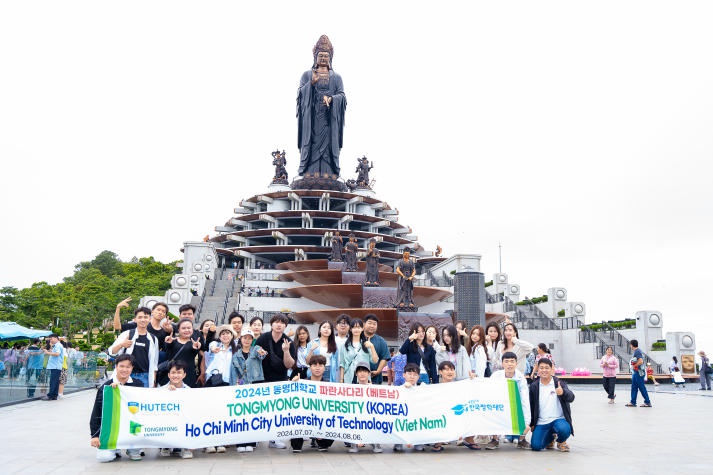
(366, 192)
(279, 187)
(318, 183)
(378, 297)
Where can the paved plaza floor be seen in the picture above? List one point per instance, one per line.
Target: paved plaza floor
(673, 437)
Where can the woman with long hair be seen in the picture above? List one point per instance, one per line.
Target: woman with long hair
(418, 351)
(303, 345)
(542, 352)
(357, 349)
(479, 352)
(432, 337)
(511, 342)
(493, 335)
(453, 351)
(326, 345)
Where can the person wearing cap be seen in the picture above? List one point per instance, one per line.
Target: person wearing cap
(363, 376)
(705, 372)
(317, 368)
(247, 361)
(246, 368)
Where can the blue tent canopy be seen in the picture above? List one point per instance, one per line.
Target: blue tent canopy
(13, 331)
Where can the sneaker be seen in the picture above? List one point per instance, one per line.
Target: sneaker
(276, 444)
(135, 456)
(186, 454)
(523, 444)
(398, 448)
(249, 448)
(492, 445)
(353, 449)
(209, 450)
(296, 451)
(240, 449)
(220, 449)
(563, 446)
(418, 448)
(321, 449)
(165, 453)
(377, 448)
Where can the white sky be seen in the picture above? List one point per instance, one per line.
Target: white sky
(577, 134)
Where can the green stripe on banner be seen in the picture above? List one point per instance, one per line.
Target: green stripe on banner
(110, 418)
(516, 415)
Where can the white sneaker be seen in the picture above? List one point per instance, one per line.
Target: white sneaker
(186, 454)
(209, 450)
(220, 449)
(418, 448)
(165, 453)
(353, 449)
(249, 448)
(134, 456)
(377, 448)
(240, 449)
(276, 444)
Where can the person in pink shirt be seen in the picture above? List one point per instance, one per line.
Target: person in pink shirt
(610, 365)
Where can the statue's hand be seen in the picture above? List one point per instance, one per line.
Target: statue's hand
(327, 100)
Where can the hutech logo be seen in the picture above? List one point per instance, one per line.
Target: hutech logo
(133, 407)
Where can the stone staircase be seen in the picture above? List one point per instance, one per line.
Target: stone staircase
(220, 297)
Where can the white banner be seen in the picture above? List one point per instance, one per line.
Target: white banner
(141, 418)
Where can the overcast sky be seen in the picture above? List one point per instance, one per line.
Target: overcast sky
(578, 135)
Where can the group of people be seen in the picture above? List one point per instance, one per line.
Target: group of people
(349, 351)
(41, 363)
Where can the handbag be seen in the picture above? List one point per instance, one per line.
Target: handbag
(162, 368)
(215, 380)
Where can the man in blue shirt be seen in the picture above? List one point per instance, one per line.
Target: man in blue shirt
(54, 366)
(638, 376)
(371, 323)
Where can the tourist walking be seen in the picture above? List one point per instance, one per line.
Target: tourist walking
(705, 372)
(638, 375)
(609, 364)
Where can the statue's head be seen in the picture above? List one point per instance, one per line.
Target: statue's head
(323, 46)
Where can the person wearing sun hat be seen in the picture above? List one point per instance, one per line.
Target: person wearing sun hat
(222, 351)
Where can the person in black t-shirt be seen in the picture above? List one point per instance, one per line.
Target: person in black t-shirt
(281, 353)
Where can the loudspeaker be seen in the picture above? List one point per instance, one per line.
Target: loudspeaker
(514, 289)
(501, 279)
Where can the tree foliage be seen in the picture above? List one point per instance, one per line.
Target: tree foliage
(86, 299)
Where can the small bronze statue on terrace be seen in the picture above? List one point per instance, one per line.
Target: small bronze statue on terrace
(363, 169)
(279, 161)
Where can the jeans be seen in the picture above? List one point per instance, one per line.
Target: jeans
(54, 383)
(609, 384)
(542, 435)
(705, 378)
(638, 383)
(143, 377)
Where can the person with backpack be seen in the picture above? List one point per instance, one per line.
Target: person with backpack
(638, 376)
(142, 345)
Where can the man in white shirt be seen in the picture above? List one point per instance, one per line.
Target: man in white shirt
(549, 407)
